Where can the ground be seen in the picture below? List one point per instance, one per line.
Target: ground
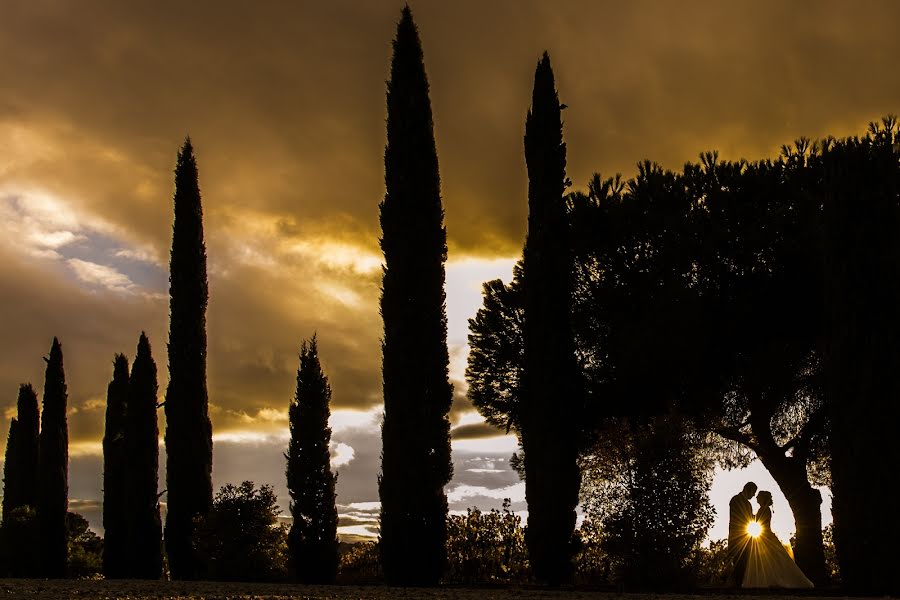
(164, 590)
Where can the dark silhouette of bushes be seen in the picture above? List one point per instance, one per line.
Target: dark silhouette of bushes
(240, 539)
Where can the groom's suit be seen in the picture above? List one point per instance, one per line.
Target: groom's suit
(740, 515)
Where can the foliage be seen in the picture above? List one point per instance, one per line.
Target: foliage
(53, 465)
(834, 571)
(20, 465)
(11, 492)
(651, 507)
(142, 451)
(552, 399)
(415, 464)
(115, 465)
(486, 547)
(19, 549)
(862, 206)
(312, 540)
(496, 362)
(85, 548)
(240, 538)
(188, 428)
(359, 564)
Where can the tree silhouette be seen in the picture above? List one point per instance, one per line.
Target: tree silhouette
(647, 493)
(188, 428)
(142, 451)
(116, 541)
(552, 398)
(862, 207)
(20, 469)
(27, 436)
(496, 362)
(312, 541)
(240, 539)
(53, 470)
(415, 463)
(11, 493)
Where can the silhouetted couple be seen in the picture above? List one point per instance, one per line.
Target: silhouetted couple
(757, 556)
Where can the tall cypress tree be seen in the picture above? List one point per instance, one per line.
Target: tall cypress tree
(142, 450)
(188, 429)
(312, 541)
(415, 462)
(53, 471)
(27, 440)
(551, 397)
(862, 216)
(12, 495)
(115, 467)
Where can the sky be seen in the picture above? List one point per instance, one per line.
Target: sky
(284, 102)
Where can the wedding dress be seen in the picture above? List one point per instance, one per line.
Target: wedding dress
(769, 565)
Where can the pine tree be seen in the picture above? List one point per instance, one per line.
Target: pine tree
(53, 470)
(312, 541)
(415, 463)
(142, 450)
(551, 397)
(11, 479)
(116, 541)
(188, 428)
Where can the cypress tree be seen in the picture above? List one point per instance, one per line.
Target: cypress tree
(862, 216)
(312, 541)
(27, 440)
(551, 397)
(11, 479)
(53, 470)
(142, 450)
(115, 467)
(415, 462)
(188, 429)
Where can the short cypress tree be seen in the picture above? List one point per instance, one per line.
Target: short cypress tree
(53, 471)
(312, 541)
(11, 492)
(27, 440)
(115, 466)
(415, 461)
(188, 428)
(551, 397)
(142, 475)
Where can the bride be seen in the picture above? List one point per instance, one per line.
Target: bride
(769, 565)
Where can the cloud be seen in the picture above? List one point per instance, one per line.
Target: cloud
(287, 117)
(475, 431)
(101, 275)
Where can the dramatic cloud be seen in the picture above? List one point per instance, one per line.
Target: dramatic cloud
(285, 104)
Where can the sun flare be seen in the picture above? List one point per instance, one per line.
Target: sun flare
(754, 529)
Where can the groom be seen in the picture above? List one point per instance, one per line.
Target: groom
(740, 515)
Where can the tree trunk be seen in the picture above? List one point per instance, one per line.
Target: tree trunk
(806, 504)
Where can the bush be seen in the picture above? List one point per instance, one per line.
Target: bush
(359, 564)
(18, 543)
(486, 547)
(85, 548)
(240, 539)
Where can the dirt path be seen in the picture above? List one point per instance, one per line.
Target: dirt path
(165, 590)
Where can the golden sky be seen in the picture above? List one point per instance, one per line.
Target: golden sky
(285, 104)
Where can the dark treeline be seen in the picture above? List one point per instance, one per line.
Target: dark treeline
(703, 294)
